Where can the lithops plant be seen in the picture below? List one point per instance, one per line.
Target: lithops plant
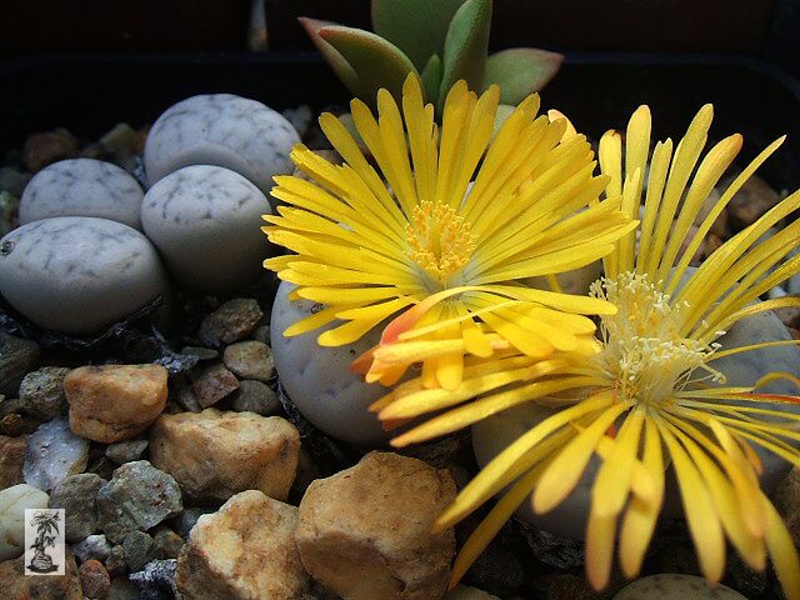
(443, 42)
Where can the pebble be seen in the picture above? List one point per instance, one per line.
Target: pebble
(111, 403)
(250, 360)
(13, 180)
(214, 383)
(257, 397)
(138, 497)
(79, 274)
(787, 501)
(12, 457)
(9, 207)
(319, 380)
(13, 502)
(19, 586)
(187, 400)
(115, 563)
(221, 129)
(17, 358)
(95, 580)
(93, 547)
(667, 586)
(299, 117)
(200, 352)
(83, 187)
(44, 148)
(245, 550)
(168, 543)
(204, 221)
(214, 455)
(123, 589)
(754, 199)
(231, 322)
(127, 451)
(188, 518)
(157, 580)
(54, 453)
(120, 145)
(366, 532)
(42, 392)
(76, 495)
(465, 592)
(140, 548)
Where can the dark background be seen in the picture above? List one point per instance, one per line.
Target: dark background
(765, 29)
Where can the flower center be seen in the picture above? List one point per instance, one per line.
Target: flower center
(440, 241)
(643, 348)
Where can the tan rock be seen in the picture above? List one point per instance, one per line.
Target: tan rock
(214, 455)
(18, 586)
(112, 403)
(12, 457)
(243, 551)
(365, 533)
(754, 199)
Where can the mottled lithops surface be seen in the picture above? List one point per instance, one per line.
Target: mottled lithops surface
(319, 380)
(671, 586)
(82, 187)
(221, 129)
(205, 221)
(491, 436)
(78, 274)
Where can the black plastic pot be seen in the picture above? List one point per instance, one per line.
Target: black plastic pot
(88, 94)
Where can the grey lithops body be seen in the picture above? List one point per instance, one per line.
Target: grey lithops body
(79, 274)
(319, 380)
(221, 129)
(205, 222)
(82, 187)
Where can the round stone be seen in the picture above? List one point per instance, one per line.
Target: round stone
(13, 502)
(667, 586)
(319, 380)
(206, 221)
(221, 129)
(82, 187)
(79, 274)
(494, 434)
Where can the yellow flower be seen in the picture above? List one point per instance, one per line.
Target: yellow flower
(442, 248)
(651, 398)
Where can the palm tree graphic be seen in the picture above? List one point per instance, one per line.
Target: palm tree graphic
(47, 529)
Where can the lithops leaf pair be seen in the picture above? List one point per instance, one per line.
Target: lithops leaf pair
(442, 42)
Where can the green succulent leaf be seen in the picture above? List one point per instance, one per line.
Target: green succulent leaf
(335, 60)
(432, 78)
(466, 46)
(378, 62)
(520, 72)
(417, 27)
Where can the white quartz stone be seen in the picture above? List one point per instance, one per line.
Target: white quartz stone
(494, 434)
(78, 274)
(206, 222)
(13, 502)
(82, 187)
(319, 380)
(54, 453)
(221, 129)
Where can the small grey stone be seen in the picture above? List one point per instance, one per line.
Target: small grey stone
(157, 580)
(94, 546)
(231, 322)
(17, 358)
(138, 497)
(299, 117)
(76, 495)
(250, 360)
(42, 392)
(79, 274)
(140, 548)
(200, 352)
(54, 453)
(83, 187)
(257, 397)
(115, 563)
(187, 519)
(261, 334)
(188, 400)
(123, 589)
(13, 181)
(213, 385)
(168, 542)
(127, 451)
